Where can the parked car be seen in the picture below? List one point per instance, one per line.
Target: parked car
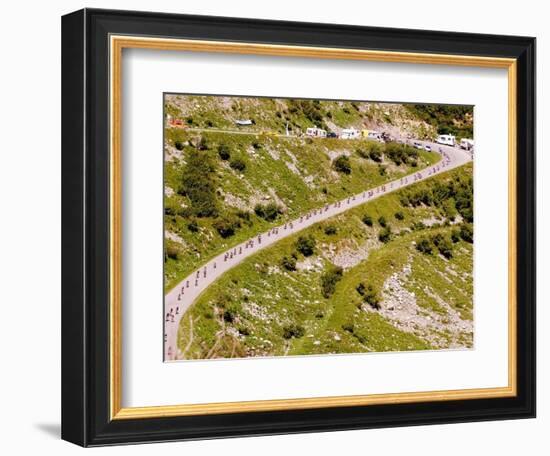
(417, 145)
(331, 134)
(428, 148)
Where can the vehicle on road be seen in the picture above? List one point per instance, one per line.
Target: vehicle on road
(331, 134)
(243, 123)
(427, 148)
(448, 140)
(467, 144)
(349, 133)
(315, 132)
(417, 145)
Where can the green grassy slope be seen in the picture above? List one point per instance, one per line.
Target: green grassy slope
(420, 300)
(296, 174)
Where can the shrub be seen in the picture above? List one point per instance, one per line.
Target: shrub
(193, 226)
(289, 263)
(238, 164)
(268, 212)
(455, 235)
(330, 229)
(367, 220)
(230, 314)
(399, 215)
(384, 235)
(179, 145)
(424, 245)
(467, 232)
(342, 164)
(172, 252)
(329, 280)
(226, 226)
(382, 221)
(369, 295)
(198, 184)
(382, 170)
(445, 247)
(349, 327)
(306, 245)
(224, 152)
(293, 331)
(203, 143)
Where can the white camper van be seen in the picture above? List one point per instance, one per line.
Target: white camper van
(349, 133)
(467, 144)
(315, 132)
(448, 140)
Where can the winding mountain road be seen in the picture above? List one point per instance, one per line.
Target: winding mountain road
(182, 296)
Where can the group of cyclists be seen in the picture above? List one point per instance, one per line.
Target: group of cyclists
(237, 251)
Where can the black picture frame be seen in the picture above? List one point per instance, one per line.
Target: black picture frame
(85, 228)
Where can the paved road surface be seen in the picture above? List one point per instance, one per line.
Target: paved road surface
(180, 298)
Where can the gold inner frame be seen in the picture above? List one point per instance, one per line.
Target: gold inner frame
(117, 44)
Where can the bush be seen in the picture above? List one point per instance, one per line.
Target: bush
(455, 236)
(224, 152)
(199, 185)
(268, 212)
(193, 226)
(445, 247)
(369, 295)
(424, 245)
(399, 215)
(382, 170)
(230, 314)
(293, 331)
(349, 327)
(226, 226)
(306, 245)
(179, 145)
(367, 220)
(203, 144)
(289, 263)
(172, 252)
(330, 229)
(382, 221)
(342, 164)
(384, 235)
(467, 232)
(238, 164)
(329, 280)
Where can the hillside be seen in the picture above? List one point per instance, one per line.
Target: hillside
(221, 189)
(392, 274)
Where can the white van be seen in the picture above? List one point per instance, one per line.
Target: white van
(315, 132)
(349, 133)
(448, 140)
(467, 144)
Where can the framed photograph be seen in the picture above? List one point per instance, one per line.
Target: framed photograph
(275, 227)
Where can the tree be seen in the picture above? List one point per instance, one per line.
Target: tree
(289, 263)
(238, 164)
(306, 245)
(268, 212)
(224, 151)
(367, 220)
(199, 185)
(445, 247)
(382, 221)
(384, 235)
(399, 215)
(330, 229)
(424, 245)
(293, 331)
(467, 232)
(329, 280)
(226, 226)
(369, 295)
(342, 164)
